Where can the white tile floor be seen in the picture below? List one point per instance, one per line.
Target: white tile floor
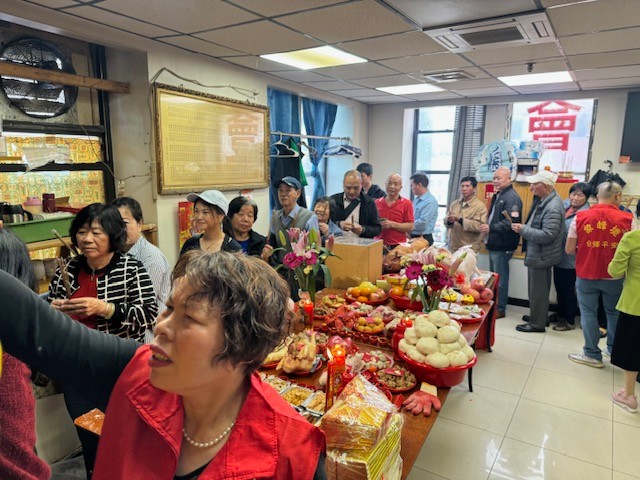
(533, 414)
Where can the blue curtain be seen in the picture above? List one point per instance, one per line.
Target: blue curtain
(319, 118)
(284, 116)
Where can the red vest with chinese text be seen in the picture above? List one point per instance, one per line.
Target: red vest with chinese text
(599, 229)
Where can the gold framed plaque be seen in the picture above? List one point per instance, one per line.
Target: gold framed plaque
(204, 141)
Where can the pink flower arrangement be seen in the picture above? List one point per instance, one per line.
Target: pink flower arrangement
(306, 256)
(431, 278)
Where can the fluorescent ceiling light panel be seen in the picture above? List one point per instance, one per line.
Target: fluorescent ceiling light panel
(536, 78)
(318, 57)
(407, 89)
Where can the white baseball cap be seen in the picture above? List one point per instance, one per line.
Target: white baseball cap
(543, 176)
(212, 197)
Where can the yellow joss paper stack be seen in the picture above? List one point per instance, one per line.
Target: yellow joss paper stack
(383, 462)
(363, 434)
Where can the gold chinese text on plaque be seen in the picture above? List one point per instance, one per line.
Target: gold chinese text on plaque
(204, 141)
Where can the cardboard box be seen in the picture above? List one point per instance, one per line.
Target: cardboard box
(360, 259)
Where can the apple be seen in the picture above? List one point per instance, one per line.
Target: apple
(486, 294)
(477, 284)
(474, 293)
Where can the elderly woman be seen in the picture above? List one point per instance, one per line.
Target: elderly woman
(564, 272)
(109, 291)
(210, 215)
(323, 208)
(103, 289)
(18, 459)
(191, 404)
(243, 212)
(626, 355)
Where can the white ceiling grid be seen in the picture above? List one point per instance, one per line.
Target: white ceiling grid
(599, 40)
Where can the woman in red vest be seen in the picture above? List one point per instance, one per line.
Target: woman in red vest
(190, 405)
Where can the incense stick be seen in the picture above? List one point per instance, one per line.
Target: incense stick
(72, 248)
(64, 276)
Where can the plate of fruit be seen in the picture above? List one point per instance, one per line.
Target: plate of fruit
(367, 293)
(369, 325)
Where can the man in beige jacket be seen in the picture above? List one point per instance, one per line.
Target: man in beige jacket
(465, 216)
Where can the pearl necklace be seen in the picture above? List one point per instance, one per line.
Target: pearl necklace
(212, 442)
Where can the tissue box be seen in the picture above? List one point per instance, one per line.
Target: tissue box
(360, 259)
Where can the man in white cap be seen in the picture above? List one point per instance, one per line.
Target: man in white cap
(542, 236)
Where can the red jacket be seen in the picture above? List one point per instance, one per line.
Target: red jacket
(18, 461)
(599, 230)
(142, 434)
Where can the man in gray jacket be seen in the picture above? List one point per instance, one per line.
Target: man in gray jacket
(543, 234)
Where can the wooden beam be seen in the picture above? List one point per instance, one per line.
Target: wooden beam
(52, 76)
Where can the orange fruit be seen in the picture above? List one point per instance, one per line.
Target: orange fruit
(355, 292)
(397, 291)
(365, 292)
(362, 298)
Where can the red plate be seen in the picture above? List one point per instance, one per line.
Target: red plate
(404, 303)
(369, 302)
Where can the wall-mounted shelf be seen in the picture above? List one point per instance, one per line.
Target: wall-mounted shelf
(52, 167)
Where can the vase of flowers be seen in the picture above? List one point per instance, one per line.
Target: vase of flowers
(430, 278)
(305, 256)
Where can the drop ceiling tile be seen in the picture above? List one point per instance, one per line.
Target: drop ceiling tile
(391, 46)
(521, 68)
(483, 92)
(612, 72)
(549, 87)
(609, 59)
(523, 53)
(300, 76)
(198, 46)
(432, 63)
(473, 72)
(471, 84)
(350, 21)
(591, 17)
(357, 70)
(359, 92)
(610, 83)
(106, 17)
(332, 85)
(615, 40)
(387, 99)
(553, 3)
(432, 13)
(257, 63)
(186, 16)
(387, 81)
(271, 8)
(259, 38)
(433, 96)
(54, 3)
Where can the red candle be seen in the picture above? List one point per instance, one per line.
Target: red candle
(308, 312)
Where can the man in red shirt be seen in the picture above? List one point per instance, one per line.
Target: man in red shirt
(593, 236)
(396, 213)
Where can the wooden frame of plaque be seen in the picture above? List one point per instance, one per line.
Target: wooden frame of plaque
(204, 141)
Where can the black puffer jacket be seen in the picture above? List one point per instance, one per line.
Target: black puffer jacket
(501, 237)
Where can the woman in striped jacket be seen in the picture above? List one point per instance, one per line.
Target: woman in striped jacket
(104, 288)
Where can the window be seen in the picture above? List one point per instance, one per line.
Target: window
(445, 141)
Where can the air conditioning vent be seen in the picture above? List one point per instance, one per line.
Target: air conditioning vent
(496, 32)
(450, 76)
